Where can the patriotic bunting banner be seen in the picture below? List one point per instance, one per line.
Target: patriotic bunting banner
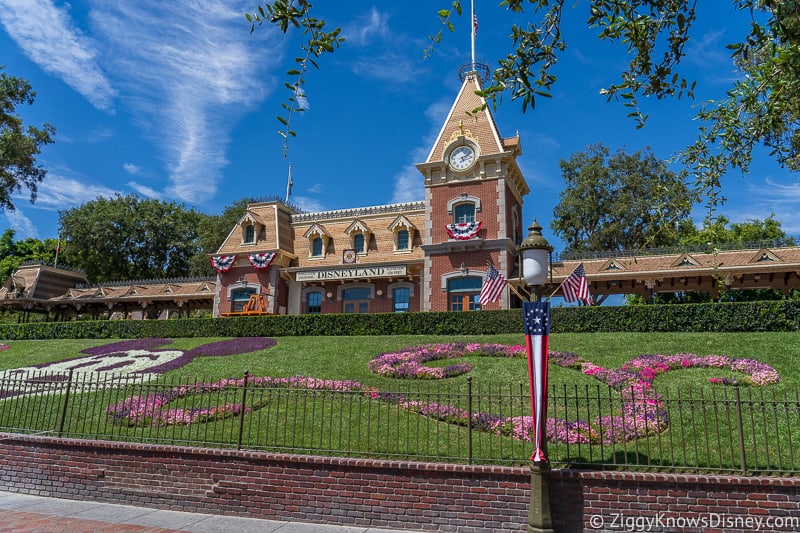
(464, 231)
(262, 261)
(536, 316)
(223, 263)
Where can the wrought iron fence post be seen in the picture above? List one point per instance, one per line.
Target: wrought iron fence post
(469, 420)
(739, 426)
(64, 405)
(241, 412)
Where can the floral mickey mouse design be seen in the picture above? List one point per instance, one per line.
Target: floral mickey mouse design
(102, 363)
(641, 412)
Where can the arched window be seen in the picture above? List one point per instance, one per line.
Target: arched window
(402, 239)
(314, 303)
(463, 213)
(358, 243)
(316, 247)
(463, 294)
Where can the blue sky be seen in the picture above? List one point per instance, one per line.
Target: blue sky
(177, 101)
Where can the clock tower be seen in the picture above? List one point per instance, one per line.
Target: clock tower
(474, 191)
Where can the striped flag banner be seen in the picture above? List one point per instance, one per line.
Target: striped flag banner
(536, 316)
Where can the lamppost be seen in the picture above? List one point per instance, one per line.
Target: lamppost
(534, 253)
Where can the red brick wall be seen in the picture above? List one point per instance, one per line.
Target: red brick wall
(380, 493)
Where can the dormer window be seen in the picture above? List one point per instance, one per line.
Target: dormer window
(359, 236)
(403, 231)
(249, 234)
(316, 247)
(359, 243)
(403, 240)
(318, 240)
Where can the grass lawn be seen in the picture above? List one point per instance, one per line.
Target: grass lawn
(314, 423)
(346, 358)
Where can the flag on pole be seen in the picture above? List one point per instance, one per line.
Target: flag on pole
(493, 285)
(575, 287)
(475, 24)
(536, 316)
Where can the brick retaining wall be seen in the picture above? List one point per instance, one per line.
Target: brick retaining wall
(379, 493)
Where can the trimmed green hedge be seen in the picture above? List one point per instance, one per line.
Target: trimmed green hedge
(744, 316)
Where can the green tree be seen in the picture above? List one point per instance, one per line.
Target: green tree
(14, 253)
(724, 232)
(127, 238)
(761, 108)
(19, 146)
(620, 201)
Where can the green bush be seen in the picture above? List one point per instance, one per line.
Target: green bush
(722, 317)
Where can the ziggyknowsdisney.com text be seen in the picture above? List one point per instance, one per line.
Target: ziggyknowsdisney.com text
(662, 521)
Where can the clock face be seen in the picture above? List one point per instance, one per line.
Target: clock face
(462, 158)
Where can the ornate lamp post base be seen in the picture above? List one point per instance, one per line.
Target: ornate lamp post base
(539, 520)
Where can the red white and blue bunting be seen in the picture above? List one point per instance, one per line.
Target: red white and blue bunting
(262, 260)
(464, 231)
(223, 263)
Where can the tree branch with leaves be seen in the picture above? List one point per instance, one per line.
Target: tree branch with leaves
(19, 146)
(287, 14)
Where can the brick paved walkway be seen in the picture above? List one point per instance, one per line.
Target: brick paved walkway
(26, 522)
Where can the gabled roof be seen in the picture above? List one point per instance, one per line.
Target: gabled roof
(765, 255)
(612, 264)
(316, 229)
(462, 115)
(401, 221)
(357, 227)
(685, 260)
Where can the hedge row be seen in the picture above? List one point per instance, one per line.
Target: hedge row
(744, 316)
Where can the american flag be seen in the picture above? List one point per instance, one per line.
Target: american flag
(536, 317)
(493, 285)
(575, 287)
(475, 24)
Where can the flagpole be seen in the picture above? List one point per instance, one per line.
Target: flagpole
(58, 249)
(472, 28)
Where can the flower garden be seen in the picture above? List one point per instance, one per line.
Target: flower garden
(641, 412)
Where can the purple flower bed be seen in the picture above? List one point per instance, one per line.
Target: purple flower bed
(641, 413)
(409, 363)
(216, 349)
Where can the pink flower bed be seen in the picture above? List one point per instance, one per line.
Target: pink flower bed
(641, 412)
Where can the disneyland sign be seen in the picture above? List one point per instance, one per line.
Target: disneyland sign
(352, 273)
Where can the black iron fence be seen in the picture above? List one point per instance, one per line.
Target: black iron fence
(717, 428)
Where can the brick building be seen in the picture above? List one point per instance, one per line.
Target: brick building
(430, 255)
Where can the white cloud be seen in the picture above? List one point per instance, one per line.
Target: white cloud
(22, 225)
(47, 35)
(145, 190)
(131, 169)
(310, 205)
(778, 192)
(188, 70)
(59, 192)
(367, 26)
